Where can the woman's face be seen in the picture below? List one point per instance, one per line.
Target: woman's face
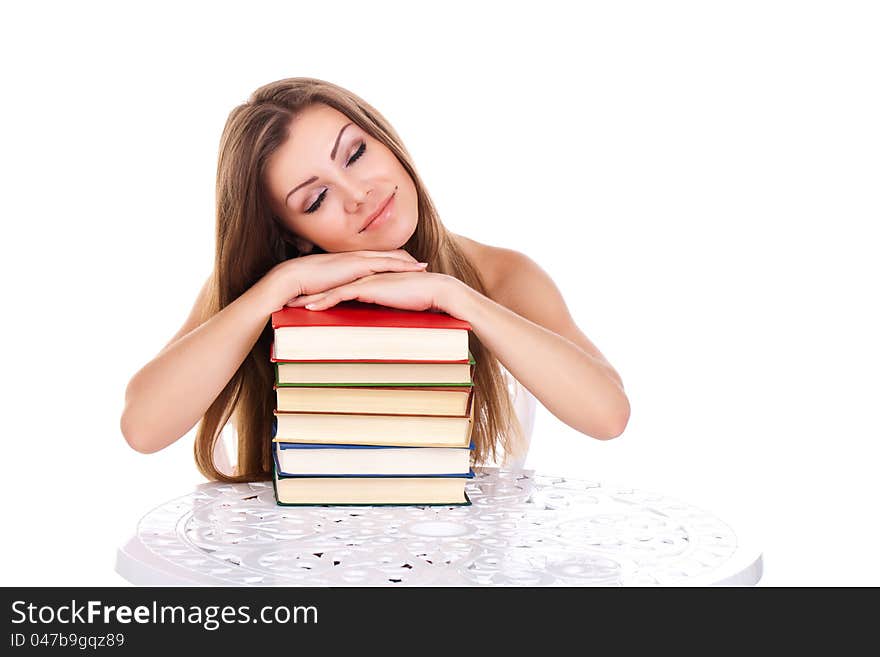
(330, 177)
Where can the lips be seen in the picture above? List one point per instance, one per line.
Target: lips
(378, 211)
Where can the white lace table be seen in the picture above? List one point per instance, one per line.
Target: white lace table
(523, 529)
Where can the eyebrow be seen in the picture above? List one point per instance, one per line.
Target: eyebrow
(332, 157)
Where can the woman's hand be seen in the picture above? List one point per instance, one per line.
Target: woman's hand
(404, 290)
(313, 274)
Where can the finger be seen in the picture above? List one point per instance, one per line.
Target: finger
(398, 254)
(346, 293)
(403, 253)
(395, 264)
(299, 302)
(316, 296)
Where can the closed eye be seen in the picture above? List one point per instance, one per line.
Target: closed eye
(317, 204)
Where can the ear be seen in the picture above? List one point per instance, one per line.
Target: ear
(303, 246)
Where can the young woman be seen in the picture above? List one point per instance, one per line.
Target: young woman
(319, 202)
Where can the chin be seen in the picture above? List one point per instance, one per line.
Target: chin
(395, 239)
(405, 236)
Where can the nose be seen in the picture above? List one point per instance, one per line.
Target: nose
(355, 193)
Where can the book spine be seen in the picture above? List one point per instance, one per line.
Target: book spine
(349, 314)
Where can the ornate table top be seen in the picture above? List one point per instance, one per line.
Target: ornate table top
(522, 529)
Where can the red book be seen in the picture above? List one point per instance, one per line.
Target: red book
(356, 331)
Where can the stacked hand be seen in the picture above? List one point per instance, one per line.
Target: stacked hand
(388, 278)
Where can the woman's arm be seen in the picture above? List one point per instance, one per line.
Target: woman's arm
(171, 393)
(554, 360)
(534, 337)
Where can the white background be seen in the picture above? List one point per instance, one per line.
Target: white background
(700, 179)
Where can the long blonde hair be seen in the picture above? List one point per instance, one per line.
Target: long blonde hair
(250, 241)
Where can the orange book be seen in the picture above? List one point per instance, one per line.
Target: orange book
(375, 429)
(386, 400)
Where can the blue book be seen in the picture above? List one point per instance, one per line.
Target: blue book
(339, 460)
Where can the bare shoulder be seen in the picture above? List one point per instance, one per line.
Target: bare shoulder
(489, 261)
(497, 265)
(517, 282)
(198, 312)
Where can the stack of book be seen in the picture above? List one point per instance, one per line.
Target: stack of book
(374, 406)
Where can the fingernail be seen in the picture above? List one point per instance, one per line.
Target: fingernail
(422, 264)
(310, 306)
